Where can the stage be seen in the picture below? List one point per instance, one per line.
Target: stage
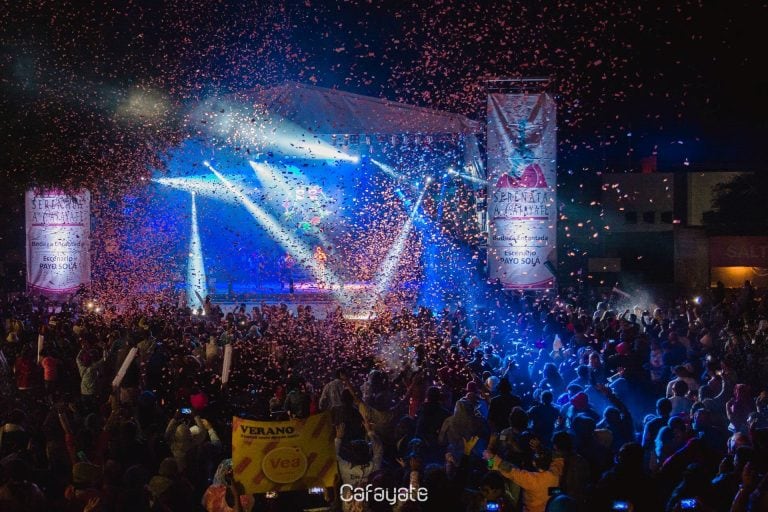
(321, 299)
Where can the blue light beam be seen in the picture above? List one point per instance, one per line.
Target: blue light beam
(286, 240)
(196, 280)
(391, 262)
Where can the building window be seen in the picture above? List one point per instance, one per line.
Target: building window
(649, 217)
(630, 217)
(667, 217)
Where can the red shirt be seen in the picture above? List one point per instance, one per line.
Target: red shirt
(24, 368)
(50, 368)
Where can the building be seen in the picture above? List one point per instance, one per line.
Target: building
(659, 234)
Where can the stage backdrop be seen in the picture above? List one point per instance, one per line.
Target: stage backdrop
(58, 241)
(283, 455)
(522, 193)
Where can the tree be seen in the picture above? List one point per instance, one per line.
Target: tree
(740, 205)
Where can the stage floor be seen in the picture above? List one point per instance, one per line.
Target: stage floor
(323, 300)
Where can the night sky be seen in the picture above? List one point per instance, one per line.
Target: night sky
(689, 72)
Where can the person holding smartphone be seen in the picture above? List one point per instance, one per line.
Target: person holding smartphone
(182, 438)
(492, 495)
(536, 483)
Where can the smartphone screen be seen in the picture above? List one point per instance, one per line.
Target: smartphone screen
(492, 506)
(688, 504)
(620, 505)
(186, 410)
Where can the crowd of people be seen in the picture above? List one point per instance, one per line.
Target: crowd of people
(532, 404)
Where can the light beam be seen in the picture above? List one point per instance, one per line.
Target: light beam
(287, 240)
(391, 262)
(204, 186)
(196, 280)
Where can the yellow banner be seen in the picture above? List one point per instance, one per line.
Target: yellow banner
(284, 455)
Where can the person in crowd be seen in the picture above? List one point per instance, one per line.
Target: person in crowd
(169, 489)
(18, 493)
(626, 482)
(465, 422)
(225, 494)
(492, 495)
(501, 405)
(583, 378)
(576, 479)
(535, 482)
(183, 437)
(579, 405)
(362, 459)
(681, 404)
(330, 397)
(78, 443)
(297, 401)
(653, 424)
(739, 407)
(430, 419)
(50, 364)
(544, 417)
(551, 379)
(25, 371)
(348, 415)
(89, 364)
(682, 374)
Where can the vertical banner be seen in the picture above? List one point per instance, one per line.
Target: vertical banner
(283, 455)
(522, 193)
(58, 241)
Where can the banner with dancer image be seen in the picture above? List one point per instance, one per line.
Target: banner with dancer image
(58, 241)
(522, 190)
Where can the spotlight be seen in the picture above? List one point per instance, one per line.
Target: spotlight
(467, 177)
(697, 300)
(205, 186)
(196, 280)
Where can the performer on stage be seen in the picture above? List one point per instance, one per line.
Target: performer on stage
(286, 271)
(321, 258)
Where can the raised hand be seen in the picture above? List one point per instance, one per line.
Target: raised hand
(469, 444)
